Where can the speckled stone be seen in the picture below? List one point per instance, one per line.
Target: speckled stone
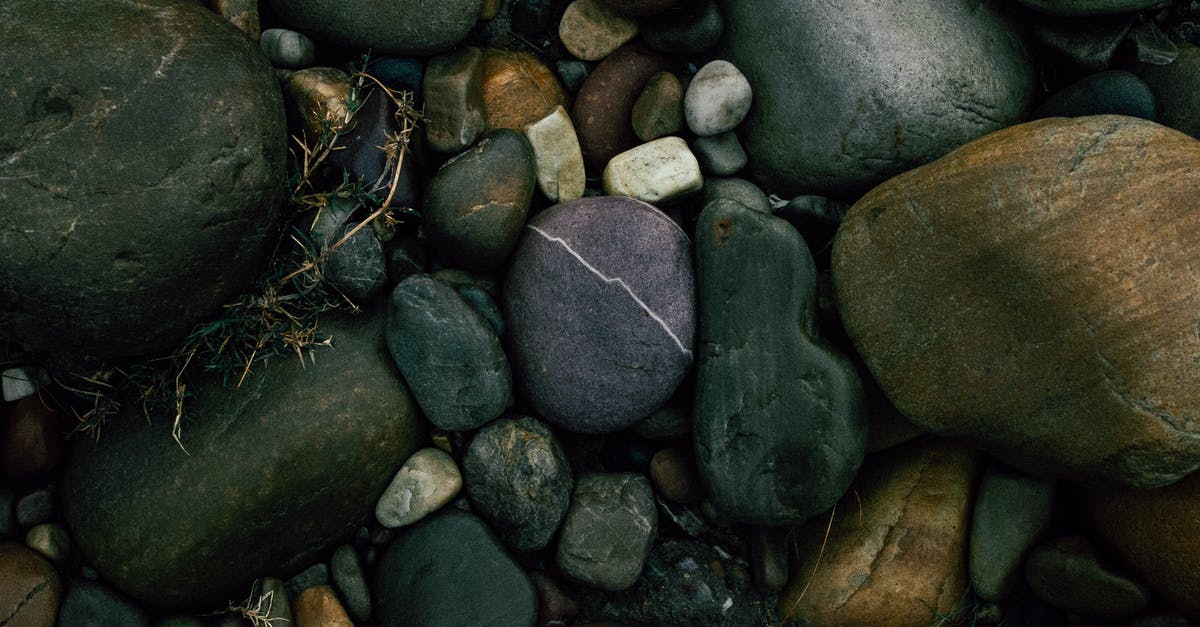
(591, 31)
(518, 89)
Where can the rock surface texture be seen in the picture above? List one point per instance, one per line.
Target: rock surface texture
(398, 26)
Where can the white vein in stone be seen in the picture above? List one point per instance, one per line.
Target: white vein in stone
(617, 281)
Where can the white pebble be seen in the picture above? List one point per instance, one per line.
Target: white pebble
(654, 171)
(717, 99)
(560, 172)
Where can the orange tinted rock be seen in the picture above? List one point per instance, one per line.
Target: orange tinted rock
(318, 606)
(518, 90)
(30, 591)
(604, 107)
(30, 442)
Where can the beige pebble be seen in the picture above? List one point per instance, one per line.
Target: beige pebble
(560, 170)
(654, 171)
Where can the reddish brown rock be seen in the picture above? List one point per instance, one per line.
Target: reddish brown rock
(30, 591)
(673, 472)
(896, 552)
(318, 606)
(639, 8)
(1034, 292)
(30, 442)
(518, 90)
(604, 107)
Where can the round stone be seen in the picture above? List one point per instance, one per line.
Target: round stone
(603, 109)
(518, 90)
(717, 99)
(600, 303)
(591, 31)
(402, 26)
(287, 48)
(51, 540)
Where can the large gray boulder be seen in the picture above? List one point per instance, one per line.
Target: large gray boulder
(141, 172)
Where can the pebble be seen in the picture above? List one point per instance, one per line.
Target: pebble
(560, 171)
(357, 268)
(36, 507)
(243, 14)
(518, 89)
(476, 204)
(591, 31)
(720, 155)
(604, 106)
(16, 384)
(717, 99)
(454, 113)
(572, 73)
(287, 48)
(1012, 512)
(655, 171)
(598, 301)
(689, 29)
(673, 473)
(1085, 8)
(403, 26)
(427, 481)
(519, 480)
(31, 443)
(90, 604)
(51, 540)
(738, 190)
(658, 111)
(1175, 89)
(320, 98)
(769, 557)
(318, 606)
(32, 591)
(1114, 92)
(1067, 573)
(555, 606)
(449, 355)
(608, 530)
(276, 605)
(1089, 45)
(315, 575)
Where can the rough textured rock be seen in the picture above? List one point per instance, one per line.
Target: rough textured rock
(921, 79)
(357, 268)
(519, 480)
(1080, 8)
(128, 220)
(608, 530)
(518, 90)
(31, 591)
(448, 353)
(449, 570)
(312, 446)
(1068, 574)
(454, 99)
(1012, 512)
(780, 423)
(599, 303)
(1056, 328)
(401, 26)
(603, 109)
(900, 556)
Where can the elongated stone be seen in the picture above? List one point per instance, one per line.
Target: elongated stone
(454, 114)
(560, 170)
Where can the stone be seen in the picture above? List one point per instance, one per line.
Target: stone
(1013, 511)
(1087, 44)
(1114, 92)
(688, 29)
(315, 575)
(608, 530)
(1084, 8)
(363, 154)
(817, 218)
(1174, 89)
(639, 8)
(454, 100)
(51, 540)
(427, 481)
(555, 606)
(9, 527)
(31, 441)
(572, 73)
(287, 48)
(449, 570)
(559, 161)
(603, 108)
(599, 303)
(346, 571)
(672, 421)
(717, 99)
(835, 119)
(590, 30)
(519, 480)
(483, 303)
(16, 384)
(720, 155)
(518, 90)
(673, 473)
(655, 171)
(90, 604)
(477, 202)
(36, 507)
(658, 111)
(780, 421)
(276, 606)
(242, 14)
(318, 100)
(318, 606)
(1068, 574)
(31, 592)
(900, 557)
(738, 190)
(769, 557)
(313, 444)
(417, 27)
(120, 248)
(448, 354)
(490, 9)
(357, 268)
(1051, 308)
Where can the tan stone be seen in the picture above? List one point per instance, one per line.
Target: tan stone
(518, 90)
(654, 171)
(591, 31)
(454, 99)
(243, 14)
(1035, 292)
(319, 98)
(897, 547)
(658, 111)
(560, 171)
(318, 606)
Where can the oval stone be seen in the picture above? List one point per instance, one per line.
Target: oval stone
(401, 26)
(603, 109)
(518, 90)
(276, 472)
(1034, 293)
(600, 304)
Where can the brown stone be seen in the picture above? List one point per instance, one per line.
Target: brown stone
(454, 99)
(673, 472)
(1067, 573)
(1176, 89)
(1034, 292)
(318, 606)
(518, 90)
(603, 109)
(30, 442)
(243, 14)
(591, 31)
(896, 552)
(658, 111)
(30, 590)
(639, 8)
(318, 99)
(555, 606)
(1156, 533)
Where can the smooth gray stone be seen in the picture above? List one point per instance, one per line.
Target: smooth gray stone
(448, 570)
(1114, 92)
(89, 604)
(780, 420)
(719, 155)
(348, 577)
(418, 27)
(608, 530)
(287, 48)
(1012, 512)
(921, 78)
(357, 268)
(448, 354)
(736, 189)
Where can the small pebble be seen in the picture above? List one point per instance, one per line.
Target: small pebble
(673, 472)
(287, 48)
(608, 530)
(769, 557)
(658, 111)
(738, 190)
(16, 384)
(31, 443)
(572, 73)
(720, 155)
(717, 99)
(35, 508)
(591, 31)
(426, 482)
(654, 171)
(347, 573)
(51, 540)
(318, 606)
(559, 160)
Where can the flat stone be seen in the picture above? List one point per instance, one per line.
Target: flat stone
(518, 90)
(318, 606)
(608, 530)
(591, 31)
(287, 48)
(603, 108)
(519, 480)
(314, 442)
(688, 29)
(720, 155)
(32, 591)
(1067, 573)
(448, 354)
(654, 171)
(454, 114)
(1012, 512)
(415, 27)
(717, 100)
(658, 111)
(780, 422)
(1081, 8)
(90, 604)
(427, 481)
(31, 441)
(51, 540)
(989, 313)
(560, 170)
(1114, 92)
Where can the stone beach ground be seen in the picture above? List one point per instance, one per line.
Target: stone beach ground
(599, 312)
